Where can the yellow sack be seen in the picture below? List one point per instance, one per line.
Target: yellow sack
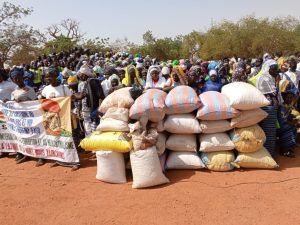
(107, 141)
(218, 161)
(260, 159)
(248, 139)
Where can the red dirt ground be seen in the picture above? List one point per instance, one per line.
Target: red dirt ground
(57, 195)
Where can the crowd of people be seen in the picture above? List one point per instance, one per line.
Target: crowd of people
(89, 77)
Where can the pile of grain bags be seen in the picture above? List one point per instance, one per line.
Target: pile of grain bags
(148, 142)
(247, 136)
(111, 138)
(215, 145)
(145, 164)
(183, 127)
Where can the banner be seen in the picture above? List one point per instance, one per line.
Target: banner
(40, 129)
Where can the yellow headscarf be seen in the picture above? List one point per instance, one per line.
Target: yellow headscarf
(180, 73)
(125, 81)
(72, 80)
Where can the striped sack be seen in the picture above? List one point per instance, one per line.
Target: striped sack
(215, 107)
(151, 104)
(182, 99)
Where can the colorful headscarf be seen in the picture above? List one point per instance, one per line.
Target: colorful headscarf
(72, 80)
(16, 71)
(179, 71)
(125, 81)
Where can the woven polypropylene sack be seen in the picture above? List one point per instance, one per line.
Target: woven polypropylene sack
(184, 160)
(218, 126)
(182, 99)
(182, 124)
(120, 98)
(215, 142)
(218, 161)
(244, 96)
(151, 104)
(248, 118)
(112, 125)
(215, 106)
(248, 139)
(182, 142)
(110, 167)
(260, 159)
(146, 168)
(114, 141)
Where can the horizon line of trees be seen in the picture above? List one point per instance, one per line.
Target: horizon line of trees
(249, 37)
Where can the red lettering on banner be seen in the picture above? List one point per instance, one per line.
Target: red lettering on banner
(54, 153)
(28, 151)
(9, 146)
(39, 152)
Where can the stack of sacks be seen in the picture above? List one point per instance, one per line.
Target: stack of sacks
(110, 140)
(247, 136)
(145, 164)
(215, 144)
(249, 143)
(150, 106)
(183, 127)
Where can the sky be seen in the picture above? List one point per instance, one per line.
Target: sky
(165, 18)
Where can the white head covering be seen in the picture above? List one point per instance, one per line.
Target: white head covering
(165, 70)
(161, 80)
(266, 57)
(84, 69)
(211, 72)
(266, 83)
(66, 72)
(139, 65)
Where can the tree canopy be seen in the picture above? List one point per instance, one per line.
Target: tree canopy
(248, 37)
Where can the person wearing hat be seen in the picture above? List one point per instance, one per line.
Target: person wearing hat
(54, 89)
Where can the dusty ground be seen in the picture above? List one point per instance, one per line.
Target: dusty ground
(47, 195)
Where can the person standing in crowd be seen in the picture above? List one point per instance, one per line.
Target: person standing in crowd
(268, 83)
(28, 76)
(213, 84)
(22, 93)
(240, 74)
(132, 75)
(6, 88)
(54, 90)
(287, 132)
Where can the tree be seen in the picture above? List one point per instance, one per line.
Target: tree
(15, 36)
(97, 44)
(67, 28)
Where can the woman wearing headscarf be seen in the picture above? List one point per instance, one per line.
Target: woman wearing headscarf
(115, 83)
(176, 79)
(213, 84)
(240, 74)
(22, 93)
(132, 74)
(155, 78)
(223, 73)
(196, 79)
(287, 132)
(268, 83)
